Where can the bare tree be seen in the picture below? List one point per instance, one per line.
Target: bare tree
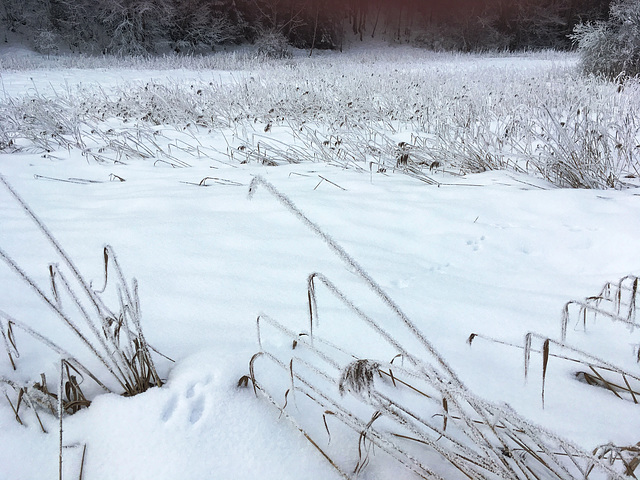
(135, 27)
(202, 23)
(612, 48)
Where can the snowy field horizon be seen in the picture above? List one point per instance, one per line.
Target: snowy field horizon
(437, 192)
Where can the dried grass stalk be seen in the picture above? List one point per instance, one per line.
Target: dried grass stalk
(478, 440)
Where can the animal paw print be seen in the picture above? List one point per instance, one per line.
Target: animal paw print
(190, 406)
(475, 244)
(196, 410)
(170, 408)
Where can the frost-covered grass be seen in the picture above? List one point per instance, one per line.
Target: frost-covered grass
(21, 59)
(426, 263)
(409, 109)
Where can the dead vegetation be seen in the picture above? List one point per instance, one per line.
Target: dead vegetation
(615, 303)
(110, 336)
(411, 408)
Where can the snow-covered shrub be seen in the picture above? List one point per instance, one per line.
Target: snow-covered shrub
(46, 42)
(611, 48)
(273, 44)
(202, 29)
(137, 27)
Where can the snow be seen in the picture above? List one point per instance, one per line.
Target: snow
(497, 253)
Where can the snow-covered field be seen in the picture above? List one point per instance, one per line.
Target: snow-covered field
(497, 253)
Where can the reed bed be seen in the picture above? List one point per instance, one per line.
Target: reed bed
(459, 113)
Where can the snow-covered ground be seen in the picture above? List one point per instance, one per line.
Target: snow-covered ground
(497, 253)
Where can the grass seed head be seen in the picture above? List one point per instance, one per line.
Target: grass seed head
(357, 377)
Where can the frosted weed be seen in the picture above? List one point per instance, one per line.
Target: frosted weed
(408, 411)
(112, 336)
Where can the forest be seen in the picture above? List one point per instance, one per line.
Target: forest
(126, 27)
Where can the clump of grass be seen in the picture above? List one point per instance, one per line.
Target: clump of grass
(31, 396)
(616, 302)
(628, 455)
(584, 149)
(112, 336)
(357, 377)
(38, 397)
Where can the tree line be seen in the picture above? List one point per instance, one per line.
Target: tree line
(151, 26)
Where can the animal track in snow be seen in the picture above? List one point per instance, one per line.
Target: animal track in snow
(190, 391)
(197, 409)
(475, 244)
(169, 408)
(191, 405)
